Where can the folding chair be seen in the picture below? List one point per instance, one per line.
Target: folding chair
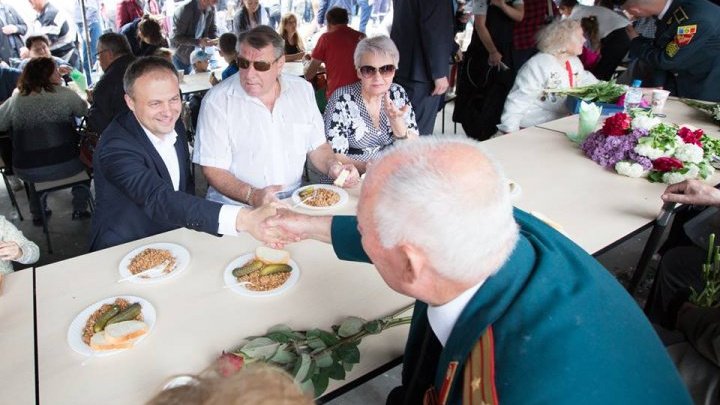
(43, 189)
(8, 187)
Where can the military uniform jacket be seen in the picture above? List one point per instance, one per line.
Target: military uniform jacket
(565, 331)
(687, 47)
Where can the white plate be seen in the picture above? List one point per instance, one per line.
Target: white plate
(182, 259)
(239, 289)
(343, 196)
(74, 335)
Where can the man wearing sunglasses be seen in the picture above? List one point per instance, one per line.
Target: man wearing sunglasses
(257, 128)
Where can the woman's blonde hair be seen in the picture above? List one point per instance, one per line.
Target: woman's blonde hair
(256, 384)
(555, 38)
(284, 34)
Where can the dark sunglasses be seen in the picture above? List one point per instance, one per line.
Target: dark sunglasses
(97, 55)
(369, 71)
(259, 65)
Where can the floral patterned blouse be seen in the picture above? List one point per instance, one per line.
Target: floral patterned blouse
(349, 128)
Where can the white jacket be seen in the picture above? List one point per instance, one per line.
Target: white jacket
(527, 105)
(9, 233)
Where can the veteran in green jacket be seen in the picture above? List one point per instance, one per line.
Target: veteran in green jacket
(686, 46)
(508, 310)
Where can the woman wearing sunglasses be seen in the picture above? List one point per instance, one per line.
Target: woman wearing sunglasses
(363, 118)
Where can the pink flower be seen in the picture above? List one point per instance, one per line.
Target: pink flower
(690, 136)
(229, 364)
(617, 125)
(667, 164)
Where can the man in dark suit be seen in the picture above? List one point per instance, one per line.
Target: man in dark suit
(107, 97)
(193, 26)
(423, 32)
(142, 169)
(686, 45)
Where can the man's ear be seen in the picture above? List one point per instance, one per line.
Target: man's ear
(416, 262)
(130, 103)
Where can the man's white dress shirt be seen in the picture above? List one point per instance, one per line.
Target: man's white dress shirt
(443, 318)
(236, 132)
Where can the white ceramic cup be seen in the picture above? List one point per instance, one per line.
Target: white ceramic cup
(659, 98)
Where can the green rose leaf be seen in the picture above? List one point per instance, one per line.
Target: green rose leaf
(260, 348)
(284, 355)
(350, 326)
(348, 366)
(302, 368)
(279, 328)
(314, 340)
(373, 327)
(320, 382)
(336, 371)
(324, 359)
(329, 338)
(349, 353)
(311, 371)
(307, 387)
(281, 337)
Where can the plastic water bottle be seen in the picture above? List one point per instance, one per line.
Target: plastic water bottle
(79, 79)
(633, 96)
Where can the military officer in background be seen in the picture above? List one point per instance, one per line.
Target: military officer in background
(686, 45)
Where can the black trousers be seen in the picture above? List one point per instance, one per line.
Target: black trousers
(425, 106)
(613, 49)
(6, 151)
(678, 271)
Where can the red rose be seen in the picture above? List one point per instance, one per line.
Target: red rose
(617, 125)
(229, 364)
(690, 136)
(667, 164)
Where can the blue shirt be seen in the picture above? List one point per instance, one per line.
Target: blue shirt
(230, 70)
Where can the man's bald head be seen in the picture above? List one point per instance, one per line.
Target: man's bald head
(446, 197)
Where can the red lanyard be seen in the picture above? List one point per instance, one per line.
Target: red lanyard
(568, 67)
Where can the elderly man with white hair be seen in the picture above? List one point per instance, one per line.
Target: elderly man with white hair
(508, 310)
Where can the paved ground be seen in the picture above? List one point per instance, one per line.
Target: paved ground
(70, 239)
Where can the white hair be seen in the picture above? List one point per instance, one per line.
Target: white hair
(558, 36)
(466, 230)
(380, 45)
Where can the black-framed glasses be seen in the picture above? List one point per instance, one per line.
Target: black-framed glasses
(97, 55)
(259, 65)
(369, 71)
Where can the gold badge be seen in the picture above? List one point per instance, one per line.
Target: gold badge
(671, 49)
(680, 15)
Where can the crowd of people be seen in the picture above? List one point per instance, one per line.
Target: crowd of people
(512, 287)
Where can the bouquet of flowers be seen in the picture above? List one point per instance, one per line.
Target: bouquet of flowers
(640, 145)
(313, 357)
(711, 108)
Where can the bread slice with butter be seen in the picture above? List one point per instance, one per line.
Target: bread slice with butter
(126, 331)
(99, 343)
(340, 181)
(272, 256)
